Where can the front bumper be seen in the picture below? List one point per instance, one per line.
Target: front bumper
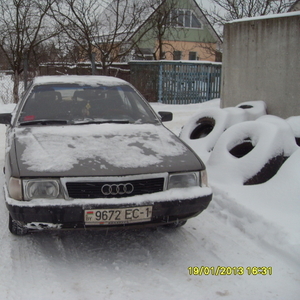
(168, 207)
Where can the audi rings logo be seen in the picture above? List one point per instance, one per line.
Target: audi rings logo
(117, 189)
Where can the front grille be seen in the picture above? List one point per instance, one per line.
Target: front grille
(114, 189)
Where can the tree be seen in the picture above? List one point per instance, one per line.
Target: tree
(22, 29)
(100, 28)
(79, 21)
(162, 24)
(223, 11)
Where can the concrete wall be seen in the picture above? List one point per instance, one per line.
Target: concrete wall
(261, 61)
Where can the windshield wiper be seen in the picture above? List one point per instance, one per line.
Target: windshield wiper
(100, 121)
(45, 122)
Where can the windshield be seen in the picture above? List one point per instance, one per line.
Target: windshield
(77, 104)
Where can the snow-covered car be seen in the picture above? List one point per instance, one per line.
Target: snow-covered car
(89, 152)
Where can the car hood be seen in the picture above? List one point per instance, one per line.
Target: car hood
(100, 150)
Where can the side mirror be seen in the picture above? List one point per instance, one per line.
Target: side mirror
(166, 116)
(5, 118)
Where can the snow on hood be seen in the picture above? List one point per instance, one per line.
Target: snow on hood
(105, 147)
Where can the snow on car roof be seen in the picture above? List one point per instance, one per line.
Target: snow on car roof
(92, 80)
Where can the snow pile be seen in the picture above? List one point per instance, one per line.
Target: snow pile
(268, 141)
(203, 130)
(252, 161)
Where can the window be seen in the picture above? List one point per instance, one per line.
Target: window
(187, 19)
(195, 22)
(193, 56)
(177, 55)
(75, 104)
(184, 18)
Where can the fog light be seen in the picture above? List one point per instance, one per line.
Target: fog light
(15, 188)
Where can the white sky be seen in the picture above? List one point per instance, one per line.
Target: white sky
(204, 3)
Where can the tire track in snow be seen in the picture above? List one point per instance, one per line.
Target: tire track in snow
(255, 227)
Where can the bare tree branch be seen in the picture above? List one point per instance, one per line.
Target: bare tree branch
(223, 11)
(22, 28)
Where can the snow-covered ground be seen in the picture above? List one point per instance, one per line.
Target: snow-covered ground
(244, 229)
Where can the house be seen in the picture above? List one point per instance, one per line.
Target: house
(165, 29)
(295, 6)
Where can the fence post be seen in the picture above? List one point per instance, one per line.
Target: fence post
(208, 93)
(160, 83)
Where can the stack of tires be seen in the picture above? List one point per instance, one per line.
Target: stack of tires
(241, 145)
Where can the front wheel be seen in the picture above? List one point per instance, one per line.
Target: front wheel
(176, 224)
(16, 228)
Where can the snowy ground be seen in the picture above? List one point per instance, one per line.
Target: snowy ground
(253, 226)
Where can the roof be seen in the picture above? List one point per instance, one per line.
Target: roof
(289, 14)
(295, 6)
(142, 11)
(131, 14)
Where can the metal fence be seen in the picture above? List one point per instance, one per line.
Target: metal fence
(170, 82)
(176, 82)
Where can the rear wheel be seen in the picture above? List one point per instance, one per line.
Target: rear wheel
(16, 228)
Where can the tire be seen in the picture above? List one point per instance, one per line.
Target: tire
(294, 123)
(253, 109)
(242, 149)
(251, 152)
(267, 172)
(203, 128)
(16, 228)
(176, 224)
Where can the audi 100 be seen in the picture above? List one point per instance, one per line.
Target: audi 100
(89, 152)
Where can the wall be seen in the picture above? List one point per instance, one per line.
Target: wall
(205, 51)
(261, 62)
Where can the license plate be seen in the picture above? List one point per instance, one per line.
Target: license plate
(118, 216)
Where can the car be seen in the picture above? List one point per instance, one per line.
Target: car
(89, 152)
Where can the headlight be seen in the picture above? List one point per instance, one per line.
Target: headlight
(15, 188)
(183, 180)
(40, 188)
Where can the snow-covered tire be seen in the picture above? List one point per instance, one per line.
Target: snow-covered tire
(253, 109)
(204, 127)
(267, 171)
(294, 123)
(202, 131)
(16, 228)
(251, 152)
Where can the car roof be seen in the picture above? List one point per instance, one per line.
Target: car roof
(79, 79)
